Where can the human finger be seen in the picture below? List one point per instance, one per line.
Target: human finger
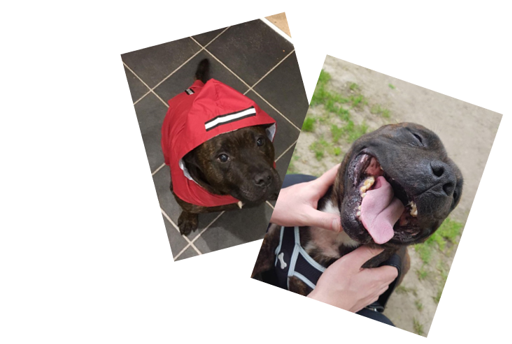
(320, 219)
(361, 255)
(323, 182)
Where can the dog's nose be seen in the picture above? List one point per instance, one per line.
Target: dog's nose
(262, 179)
(443, 174)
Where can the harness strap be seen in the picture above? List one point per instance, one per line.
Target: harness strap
(293, 260)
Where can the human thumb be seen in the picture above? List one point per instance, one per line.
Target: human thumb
(361, 255)
(325, 220)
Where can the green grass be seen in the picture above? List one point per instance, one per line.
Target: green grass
(343, 114)
(358, 100)
(309, 124)
(437, 298)
(319, 147)
(401, 289)
(350, 131)
(353, 86)
(330, 100)
(355, 131)
(422, 273)
(391, 86)
(443, 272)
(337, 151)
(418, 327)
(321, 94)
(448, 232)
(419, 305)
(376, 109)
(336, 132)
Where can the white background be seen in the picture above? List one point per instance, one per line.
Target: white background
(84, 255)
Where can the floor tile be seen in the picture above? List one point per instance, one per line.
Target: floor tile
(137, 88)
(176, 241)
(283, 162)
(282, 166)
(184, 77)
(162, 180)
(291, 100)
(286, 133)
(250, 49)
(189, 252)
(155, 63)
(235, 227)
(207, 37)
(150, 114)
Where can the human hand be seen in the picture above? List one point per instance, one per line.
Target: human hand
(346, 285)
(297, 204)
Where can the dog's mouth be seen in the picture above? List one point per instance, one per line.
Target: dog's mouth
(381, 204)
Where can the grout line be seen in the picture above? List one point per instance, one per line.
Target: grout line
(158, 169)
(284, 58)
(250, 88)
(176, 227)
(174, 71)
(215, 37)
(193, 240)
(276, 29)
(150, 90)
(287, 149)
(168, 76)
(184, 63)
(145, 94)
(276, 110)
(215, 57)
(209, 225)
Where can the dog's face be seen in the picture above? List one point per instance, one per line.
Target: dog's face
(239, 163)
(396, 186)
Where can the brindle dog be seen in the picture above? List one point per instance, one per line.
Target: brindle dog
(238, 163)
(426, 186)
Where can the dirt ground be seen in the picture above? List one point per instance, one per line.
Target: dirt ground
(280, 21)
(467, 132)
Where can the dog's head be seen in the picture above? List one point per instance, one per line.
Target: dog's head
(396, 186)
(239, 163)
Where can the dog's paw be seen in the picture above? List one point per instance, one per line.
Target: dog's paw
(187, 223)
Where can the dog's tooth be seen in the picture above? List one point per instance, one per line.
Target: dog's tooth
(368, 182)
(358, 214)
(363, 194)
(240, 204)
(414, 209)
(358, 207)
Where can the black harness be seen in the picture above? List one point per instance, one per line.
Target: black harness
(293, 261)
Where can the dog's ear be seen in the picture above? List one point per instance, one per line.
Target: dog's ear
(194, 168)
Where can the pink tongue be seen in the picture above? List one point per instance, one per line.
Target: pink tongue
(380, 210)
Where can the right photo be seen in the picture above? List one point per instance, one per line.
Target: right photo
(374, 203)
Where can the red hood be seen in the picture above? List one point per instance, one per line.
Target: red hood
(201, 112)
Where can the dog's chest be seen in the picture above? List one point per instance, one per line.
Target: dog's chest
(327, 242)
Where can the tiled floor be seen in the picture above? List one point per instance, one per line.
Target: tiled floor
(253, 59)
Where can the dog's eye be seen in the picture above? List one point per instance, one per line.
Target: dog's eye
(418, 138)
(260, 142)
(223, 158)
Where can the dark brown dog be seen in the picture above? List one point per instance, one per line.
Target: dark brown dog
(423, 186)
(239, 163)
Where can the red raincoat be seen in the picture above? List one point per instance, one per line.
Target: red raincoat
(201, 112)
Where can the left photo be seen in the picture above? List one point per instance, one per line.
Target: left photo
(219, 114)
